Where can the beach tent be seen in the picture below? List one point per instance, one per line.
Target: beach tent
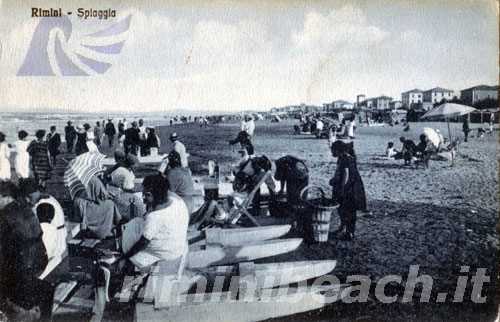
(448, 111)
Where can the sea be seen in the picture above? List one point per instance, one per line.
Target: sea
(13, 122)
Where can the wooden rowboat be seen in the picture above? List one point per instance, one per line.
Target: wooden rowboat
(259, 276)
(227, 306)
(235, 236)
(219, 255)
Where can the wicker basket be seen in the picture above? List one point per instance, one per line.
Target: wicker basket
(321, 210)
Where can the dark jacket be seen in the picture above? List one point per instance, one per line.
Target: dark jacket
(110, 130)
(69, 132)
(352, 194)
(53, 143)
(23, 255)
(132, 136)
(294, 172)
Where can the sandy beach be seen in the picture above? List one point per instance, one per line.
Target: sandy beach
(439, 218)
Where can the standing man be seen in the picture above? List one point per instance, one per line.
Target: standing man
(142, 137)
(132, 139)
(179, 148)
(70, 136)
(466, 128)
(110, 132)
(53, 144)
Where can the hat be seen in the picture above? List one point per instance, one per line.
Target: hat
(173, 136)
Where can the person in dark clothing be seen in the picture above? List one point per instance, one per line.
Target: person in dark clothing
(110, 132)
(70, 136)
(23, 256)
(53, 144)
(249, 174)
(40, 159)
(132, 139)
(121, 129)
(81, 141)
(151, 141)
(245, 142)
(348, 188)
(293, 173)
(408, 150)
(423, 150)
(466, 128)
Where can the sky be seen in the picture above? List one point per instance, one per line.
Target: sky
(251, 55)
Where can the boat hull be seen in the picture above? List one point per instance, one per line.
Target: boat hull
(236, 236)
(224, 307)
(218, 255)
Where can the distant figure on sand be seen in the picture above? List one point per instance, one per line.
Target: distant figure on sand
(152, 144)
(408, 150)
(348, 188)
(22, 160)
(248, 125)
(245, 142)
(132, 139)
(97, 134)
(91, 145)
(466, 128)
(53, 144)
(4, 159)
(81, 141)
(390, 151)
(70, 136)
(40, 160)
(110, 132)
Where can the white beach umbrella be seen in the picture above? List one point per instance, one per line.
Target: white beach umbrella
(448, 110)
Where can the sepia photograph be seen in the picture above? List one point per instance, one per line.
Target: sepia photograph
(251, 160)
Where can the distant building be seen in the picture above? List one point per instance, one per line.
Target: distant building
(437, 94)
(337, 105)
(359, 99)
(414, 96)
(478, 93)
(377, 103)
(394, 105)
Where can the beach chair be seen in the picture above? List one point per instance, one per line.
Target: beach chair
(242, 208)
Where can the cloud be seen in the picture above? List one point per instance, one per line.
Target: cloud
(243, 60)
(346, 27)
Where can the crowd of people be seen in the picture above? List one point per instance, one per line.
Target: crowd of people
(326, 127)
(146, 227)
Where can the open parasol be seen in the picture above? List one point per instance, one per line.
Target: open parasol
(448, 110)
(80, 170)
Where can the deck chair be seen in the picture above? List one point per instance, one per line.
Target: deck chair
(242, 208)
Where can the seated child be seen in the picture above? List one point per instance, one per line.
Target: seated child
(390, 151)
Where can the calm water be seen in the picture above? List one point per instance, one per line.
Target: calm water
(11, 123)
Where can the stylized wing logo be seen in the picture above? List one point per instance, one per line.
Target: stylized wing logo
(50, 53)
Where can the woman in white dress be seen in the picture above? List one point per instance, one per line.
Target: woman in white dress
(22, 161)
(4, 159)
(90, 138)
